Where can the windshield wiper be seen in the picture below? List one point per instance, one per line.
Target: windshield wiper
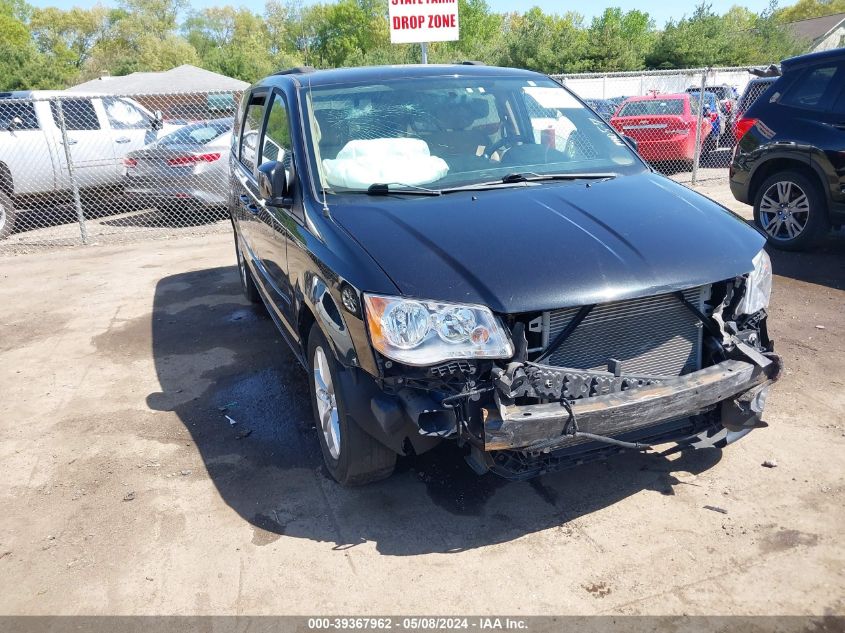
(384, 188)
(530, 176)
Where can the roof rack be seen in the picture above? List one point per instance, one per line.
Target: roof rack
(470, 62)
(297, 70)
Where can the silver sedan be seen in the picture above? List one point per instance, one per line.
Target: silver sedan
(183, 170)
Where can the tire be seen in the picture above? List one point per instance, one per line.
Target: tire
(7, 215)
(799, 225)
(352, 457)
(245, 274)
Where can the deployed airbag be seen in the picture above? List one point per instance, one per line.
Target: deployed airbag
(363, 162)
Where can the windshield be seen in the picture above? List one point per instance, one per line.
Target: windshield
(453, 131)
(197, 133)
(653, 107)
(709, 98)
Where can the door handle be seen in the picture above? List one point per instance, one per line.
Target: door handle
(122, 139)
(70, 141)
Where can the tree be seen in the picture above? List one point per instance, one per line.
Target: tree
(620, 41)
(279, 20)
(479, 29)
(346, 30)
(233, 42)
(772, 40)
(547, 43)
(69, 38)
(737, 38)
(22, 66)
(142, 36)
(805, 9)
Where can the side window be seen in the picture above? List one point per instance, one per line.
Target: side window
(124, 115)
(810, 89)
(277, 133)
(79, 114)
(250, 130)
(17, 116)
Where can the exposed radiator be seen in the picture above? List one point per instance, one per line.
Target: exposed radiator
(655, 335)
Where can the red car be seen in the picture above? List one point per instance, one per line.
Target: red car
(662, 125)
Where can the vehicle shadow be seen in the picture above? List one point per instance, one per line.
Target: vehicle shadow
(265, 462)
(60, 210)
(169, 216)
(824, 265)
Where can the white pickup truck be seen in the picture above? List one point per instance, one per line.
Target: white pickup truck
(100, 131)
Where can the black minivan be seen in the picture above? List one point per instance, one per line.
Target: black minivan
(470, 253)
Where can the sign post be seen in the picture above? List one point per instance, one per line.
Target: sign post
(423, 21)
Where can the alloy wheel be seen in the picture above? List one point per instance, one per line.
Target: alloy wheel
(242, 268)
(784, 211)
(326, 403)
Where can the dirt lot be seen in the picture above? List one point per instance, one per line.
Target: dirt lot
(125, 489)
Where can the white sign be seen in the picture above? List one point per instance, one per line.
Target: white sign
(417, 21)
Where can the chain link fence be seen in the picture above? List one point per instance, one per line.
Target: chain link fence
(78, 169)
(682, 120)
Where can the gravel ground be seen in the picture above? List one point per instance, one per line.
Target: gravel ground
(126, 489)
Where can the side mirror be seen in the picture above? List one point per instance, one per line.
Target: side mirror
(275, 183)
(631, 143)
(158, 120)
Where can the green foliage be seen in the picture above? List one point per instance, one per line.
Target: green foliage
(619, 41)
(346, 30)
(68, 37)
(806, 9)
(51, 47)
(538, 41)
(233, 42)
(737, 38)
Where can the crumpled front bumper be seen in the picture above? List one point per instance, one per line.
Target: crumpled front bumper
(739, 387)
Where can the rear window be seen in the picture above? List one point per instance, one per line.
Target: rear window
(198, 133)
(709, 98)
(24, 112)
(652, 106)
(752, 92)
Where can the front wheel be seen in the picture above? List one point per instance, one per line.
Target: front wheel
(7, 215)
(790, 208)
(352, 457)
(247, 282)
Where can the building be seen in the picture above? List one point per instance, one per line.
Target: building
(185, 92)
(821, 34)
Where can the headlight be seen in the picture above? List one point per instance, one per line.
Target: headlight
(758, 286)
(417, 332)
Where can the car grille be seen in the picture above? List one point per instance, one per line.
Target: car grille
(655, 335)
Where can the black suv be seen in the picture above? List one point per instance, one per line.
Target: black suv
(789, 161)
(471, 254)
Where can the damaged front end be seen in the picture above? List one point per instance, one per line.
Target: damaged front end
(582, 383)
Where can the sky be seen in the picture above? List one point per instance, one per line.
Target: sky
(660, 10)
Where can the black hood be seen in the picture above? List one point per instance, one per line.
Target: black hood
(551, 245)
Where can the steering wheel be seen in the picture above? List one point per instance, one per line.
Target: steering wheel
(507, 141)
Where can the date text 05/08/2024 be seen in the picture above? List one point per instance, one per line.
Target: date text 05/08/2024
(425, 623)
